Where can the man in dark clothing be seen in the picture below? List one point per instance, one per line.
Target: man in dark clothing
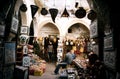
(68, 60)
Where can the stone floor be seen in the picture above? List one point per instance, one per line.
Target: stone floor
(48, 73)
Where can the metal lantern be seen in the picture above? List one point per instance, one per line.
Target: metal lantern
(92, 15)
(44, 11)
(23, 8)
(34, 9)
(80, 13)
(65, 13)
(53, 12)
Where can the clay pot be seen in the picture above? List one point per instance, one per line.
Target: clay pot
(44, 11)
(92, 15)
(80, 13)
(23, 8)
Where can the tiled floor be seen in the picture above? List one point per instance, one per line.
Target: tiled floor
(48, 73)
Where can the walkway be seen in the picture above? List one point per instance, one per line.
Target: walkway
(48, 73)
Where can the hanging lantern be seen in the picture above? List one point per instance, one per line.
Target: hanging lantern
(65, 13)
(44, 11)
(23, 7)
(34, 9)
(53, 12)
(92, 15)
(80, 13)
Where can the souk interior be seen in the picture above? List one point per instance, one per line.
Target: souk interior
(28, 27)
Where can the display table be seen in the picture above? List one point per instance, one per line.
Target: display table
(80, 63)
(37, 65)
(82, 70)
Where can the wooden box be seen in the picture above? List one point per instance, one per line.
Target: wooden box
(38, 73)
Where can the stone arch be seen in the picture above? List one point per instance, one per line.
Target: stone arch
(74, 21)
(42, 23)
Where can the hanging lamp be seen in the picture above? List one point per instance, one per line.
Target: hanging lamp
(23, 7)
(65, 12)
(80, 12)
(44, 10)
(53, 12)
(34, 9)
(92, 15)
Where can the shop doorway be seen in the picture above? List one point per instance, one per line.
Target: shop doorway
(49, 33)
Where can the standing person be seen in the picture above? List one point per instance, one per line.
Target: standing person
(50, 51)
(69, 57)
(73, 54)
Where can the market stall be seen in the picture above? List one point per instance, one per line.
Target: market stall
(37, 65)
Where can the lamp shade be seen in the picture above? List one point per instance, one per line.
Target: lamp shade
(53, 12)
(65, 13)
(44, 11)
(34, 9)
(23, 8)
(80, 13)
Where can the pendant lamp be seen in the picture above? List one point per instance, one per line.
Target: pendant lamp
(23, 7)
(65, 12)
(34, 9)
(53, 12)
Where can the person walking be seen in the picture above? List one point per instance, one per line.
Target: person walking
(69, 57)
(50, 51)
